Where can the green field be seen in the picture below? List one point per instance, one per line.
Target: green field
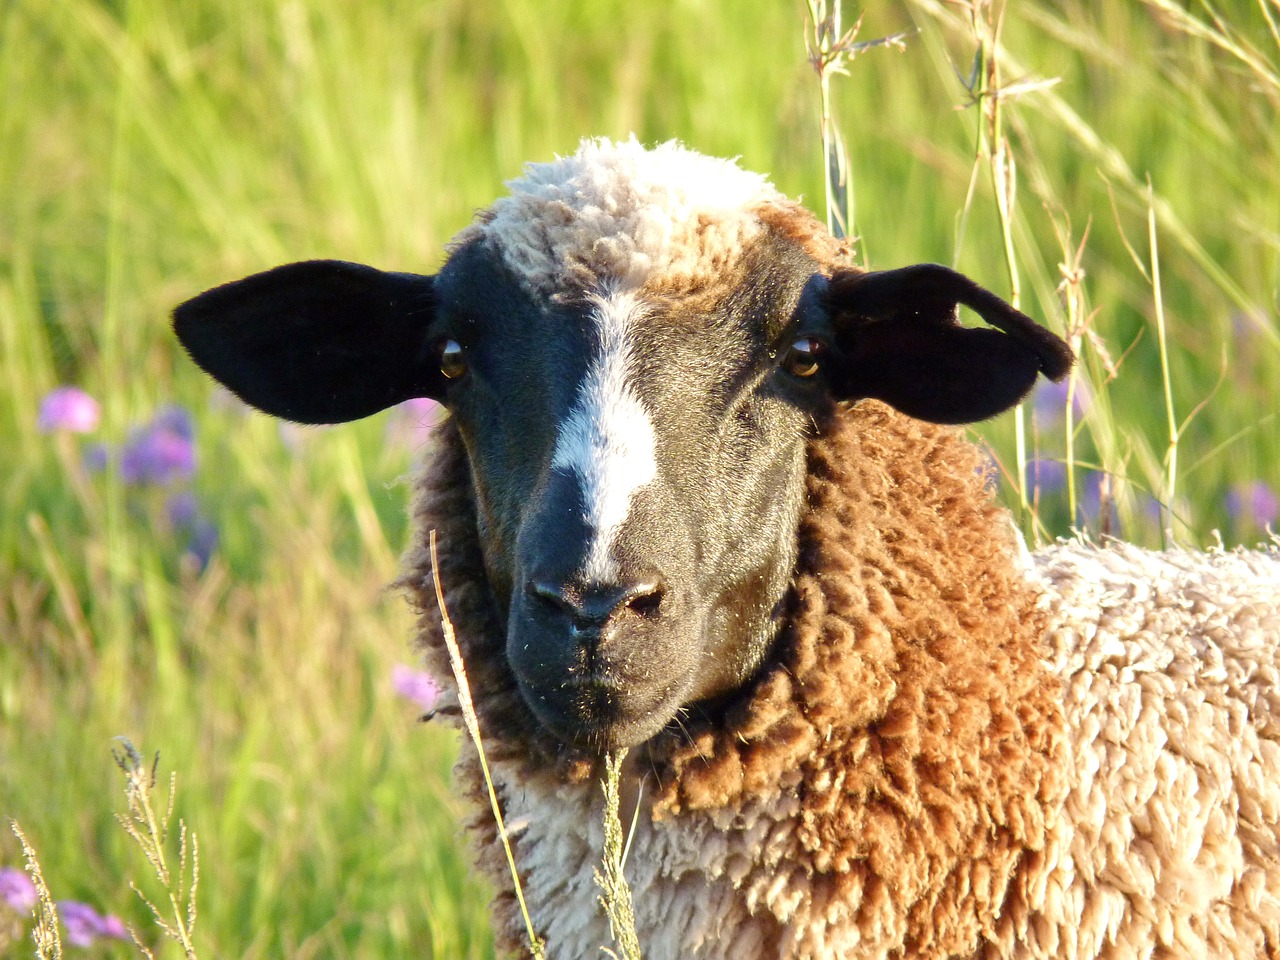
(147, 153)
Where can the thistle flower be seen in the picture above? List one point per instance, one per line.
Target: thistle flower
(85, 925)
(69, 409)
(160, 452)
(17, 889)
(1050, 401)
(1253, 503)
(1046, 475)
(185, 517)
(416, 686)
(412, 421)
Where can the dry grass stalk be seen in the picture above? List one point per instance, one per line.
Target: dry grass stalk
(830, 50)
(48, 942)
(151, 832)
(615, 894)
(472, 723)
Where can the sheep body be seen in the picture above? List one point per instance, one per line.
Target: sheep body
(1170, 671)
(864, 722)
(1151, 678)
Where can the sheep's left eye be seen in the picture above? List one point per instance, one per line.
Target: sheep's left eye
(802, 357)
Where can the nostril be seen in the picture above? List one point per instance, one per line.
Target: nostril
(552, 597)
(595, 605)
(645, 600)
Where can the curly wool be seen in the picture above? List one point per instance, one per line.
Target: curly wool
(905, 691)
(952, 751)
(1169, 841)
(948, 755)
(627, 216)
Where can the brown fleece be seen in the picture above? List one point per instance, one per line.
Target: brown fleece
(905, 703)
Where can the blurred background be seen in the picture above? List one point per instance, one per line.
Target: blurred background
(209, 583)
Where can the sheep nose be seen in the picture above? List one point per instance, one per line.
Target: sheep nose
(592, 606)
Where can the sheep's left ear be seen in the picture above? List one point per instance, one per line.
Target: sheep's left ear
(322, 341)
(898, 339)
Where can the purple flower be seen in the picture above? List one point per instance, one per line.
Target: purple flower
(185, 517)
(17, 889)
(412, 421)
(85, 925)
(182, 509)
(417, 686)
(160, 452)
(68, 408)
(174, 419)
(95, 457)
(1046, 475)
(1253, 503)
(1050, 400)
(1099, 494)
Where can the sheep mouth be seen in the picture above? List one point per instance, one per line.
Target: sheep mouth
(598, 713)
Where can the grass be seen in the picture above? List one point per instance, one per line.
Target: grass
(147, 153)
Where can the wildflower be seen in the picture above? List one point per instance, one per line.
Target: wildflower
(95, 457)
(17, 890)
(1046, 475)
(182, 509)
(186, 518)
(296, 436)
(1098, 504)
(417, 686)
(70, 409)
(1253, 503)
(160, 452)
(1050, 400)
(85, 925)
(412, 421)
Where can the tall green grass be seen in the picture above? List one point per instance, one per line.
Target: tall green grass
(149, 150)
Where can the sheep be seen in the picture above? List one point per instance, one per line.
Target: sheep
(702, 496)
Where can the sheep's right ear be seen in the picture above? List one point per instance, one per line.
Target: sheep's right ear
(899, 339)
(321, 341)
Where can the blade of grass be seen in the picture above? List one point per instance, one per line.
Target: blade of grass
(472, 723)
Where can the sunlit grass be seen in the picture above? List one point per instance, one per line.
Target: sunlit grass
(148, 151)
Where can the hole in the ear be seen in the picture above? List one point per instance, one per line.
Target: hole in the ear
(647, 604)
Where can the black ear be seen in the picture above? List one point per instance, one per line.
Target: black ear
(898, 339)
(316, 342)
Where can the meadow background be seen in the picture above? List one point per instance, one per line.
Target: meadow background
(196, 577)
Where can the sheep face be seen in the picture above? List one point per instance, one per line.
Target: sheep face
(634, 346)
(637, 471)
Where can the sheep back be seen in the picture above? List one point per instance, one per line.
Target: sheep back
(1170, 669)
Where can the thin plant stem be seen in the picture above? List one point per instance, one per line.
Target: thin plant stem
(472, 723)
(825, 58)
(47, 939)
(615, 892)
(993, 146)
(151, 832)
(830, 49)
(1171, 456)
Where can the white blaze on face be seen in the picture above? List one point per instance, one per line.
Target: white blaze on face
(607, 441)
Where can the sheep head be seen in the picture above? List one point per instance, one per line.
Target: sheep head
(635, 346)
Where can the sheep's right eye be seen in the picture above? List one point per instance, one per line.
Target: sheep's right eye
(803, 356)
(453, 359)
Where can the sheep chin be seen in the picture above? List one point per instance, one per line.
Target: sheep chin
(598, 716)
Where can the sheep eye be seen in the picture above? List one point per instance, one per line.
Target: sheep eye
(802, 357)
(453, 359)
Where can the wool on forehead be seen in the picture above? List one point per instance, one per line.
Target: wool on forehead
(617, 215)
